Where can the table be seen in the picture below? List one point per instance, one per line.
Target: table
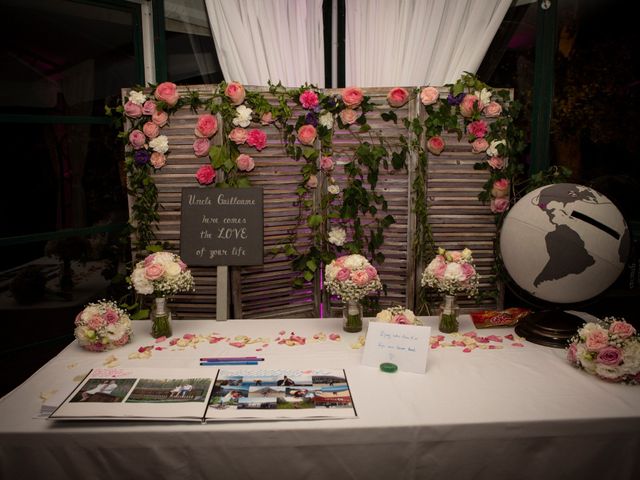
(502, 413)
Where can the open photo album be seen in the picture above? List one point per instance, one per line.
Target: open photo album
(196, 394)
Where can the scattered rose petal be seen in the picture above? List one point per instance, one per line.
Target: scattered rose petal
(161, 339)
(282, 332)
(237, 344)
(188, 336)
(435, 345)
(258, 349)
(517, 345)
(334, 337)
(264, 345)
(509, 337)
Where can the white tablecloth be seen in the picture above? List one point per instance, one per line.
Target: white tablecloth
(500, 413)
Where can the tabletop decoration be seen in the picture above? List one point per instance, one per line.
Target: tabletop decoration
(470, 341)
(351, 277)
(161, 274)
(609, 349)
(398, 314)
(451, 272)
(102, 326)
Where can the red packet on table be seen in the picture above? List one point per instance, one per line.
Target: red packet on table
(493, 318)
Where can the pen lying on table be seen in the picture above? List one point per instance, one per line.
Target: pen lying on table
(231, 359)
(229, 362)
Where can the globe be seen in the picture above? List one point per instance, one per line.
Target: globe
(563, 244)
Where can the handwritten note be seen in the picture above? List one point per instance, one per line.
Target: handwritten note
(405, 345)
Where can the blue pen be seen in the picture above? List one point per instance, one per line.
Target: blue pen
(227, 362)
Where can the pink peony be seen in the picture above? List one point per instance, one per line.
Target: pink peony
(307, 134)
(497, 163)
(479, 145)
(467, 105)
(235, 93)
(312, 182)
(257, 138)
(349, 116)
(160, 118)
(132, 110)
(154, 271)
(371, 272)
(207, 126)
(500, 188)
(201, 147)
(492, 109)
(596, 340)
(468, 271)
(151, 130)
(352, 96)
(360, 277)
(167, 92)
(95, 322)
(435, 145)
(477, 129)
(309, 99)
(110, 316)
(137, 139)
(326, 164)
(429, 95)
(158, 160)
(609, 356)
(499, 205)
(266, 119)
(149, 107)
(621, 329)
(205, 175)
(343, 274)
(238, 135)
(397, 97)
(245, 163)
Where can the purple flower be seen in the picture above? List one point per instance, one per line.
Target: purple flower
(141, 157)
(311, 119)
(455, 100)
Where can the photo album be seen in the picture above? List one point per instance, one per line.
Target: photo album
(188, 394)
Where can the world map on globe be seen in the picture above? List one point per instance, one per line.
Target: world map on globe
(564, 243)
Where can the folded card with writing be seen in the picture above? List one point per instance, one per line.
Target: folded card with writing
(403, 345)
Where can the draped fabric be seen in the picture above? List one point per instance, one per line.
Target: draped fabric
(417, 42)
(262, 40)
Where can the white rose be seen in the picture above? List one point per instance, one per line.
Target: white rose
(466, 254)
(410, 316)
(331, 271)
(333, 189)
(492, 150)
(88, 313)
(243, 116)
(337, 236)
(384, 316)
(172, 270)
(160, 144)
(484, 95)
(355, 262)
(140, 282)
(326, 120)
(137, 97)
(631, 358)
(454, 272)
(606, 371)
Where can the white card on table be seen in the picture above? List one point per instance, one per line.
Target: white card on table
(404, 345)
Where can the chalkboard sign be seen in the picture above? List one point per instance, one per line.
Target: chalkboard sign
(221, 226)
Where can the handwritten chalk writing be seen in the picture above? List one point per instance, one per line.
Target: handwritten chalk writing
(205, 234)
(227, 233)
(233, 200)
(206, 219)
(235, 220)
(220, 252)
(194, 200)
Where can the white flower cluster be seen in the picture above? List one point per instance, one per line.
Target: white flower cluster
(137, 97)
(337, 236)
(161, 274)
(398, 314)
(452, 272)
(243, 116)
(351, 277)
(159, 144)
(102, 326)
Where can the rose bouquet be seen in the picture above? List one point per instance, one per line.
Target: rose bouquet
(452, 272)
(399, 315)
(102, 326)
(609, 350)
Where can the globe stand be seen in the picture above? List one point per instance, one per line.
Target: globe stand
(551, 328)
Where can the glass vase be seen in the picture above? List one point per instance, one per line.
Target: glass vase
(448, 315)
(352, 316)
(160, 318)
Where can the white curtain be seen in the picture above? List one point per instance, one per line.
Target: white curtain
(417, 42)
(277, 40)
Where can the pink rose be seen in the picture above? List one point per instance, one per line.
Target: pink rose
(349, 116)
(158, 160)
(352, 96)
(235, 92)
(309, 99)
(479, 145)
(132, 110)
(467, 105)
(123, 340)
(149, 107)
(201, 147)
(371, 272)
(266, 119)
(621, 329)
(455, 255)
(183, 266)
(154, 271)
(110, 316)
(596, 340)
(238, 135)
(343, 274)
(429, 95)
(400, 319)
(151, 130)
(205, 175)
(312, 182)
(500, 188)
(95, 322)
(207, 126)
(497, 163)
(572, 353)
(468, 271)
(477, 129)
(326, 164)
(609, 356)
(397, 97)
(499, 205)
(340, 261)
(492, 109)
(435, 145)
(360, 278)
(160, 118)
(137, 139)
(167, 92)
(149, 260)
(307, 134)
(245, 163)
(257, 138)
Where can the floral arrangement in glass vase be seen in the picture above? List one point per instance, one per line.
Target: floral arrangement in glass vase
(610, 350)
(451, 272)
(399, 315)
(102, 326)
(351, 277)
(161, 274)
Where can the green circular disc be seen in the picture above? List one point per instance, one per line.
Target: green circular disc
(388, 367)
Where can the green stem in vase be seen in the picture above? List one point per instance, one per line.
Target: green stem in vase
(448, 323)
(161, 326)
